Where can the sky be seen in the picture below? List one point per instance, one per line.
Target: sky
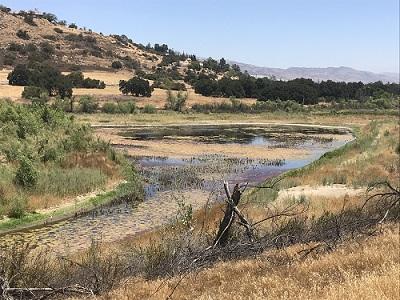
(363, 34)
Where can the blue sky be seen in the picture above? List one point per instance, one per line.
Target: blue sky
(362, 34)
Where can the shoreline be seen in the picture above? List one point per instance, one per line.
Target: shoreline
(37, 220)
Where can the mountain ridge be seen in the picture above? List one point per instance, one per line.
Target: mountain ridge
(342, 73)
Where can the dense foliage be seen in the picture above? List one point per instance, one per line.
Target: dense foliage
(301, 90)
(46, 77)
(135, 86)
(44, 152)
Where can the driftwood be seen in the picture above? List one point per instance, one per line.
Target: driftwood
(231, 211)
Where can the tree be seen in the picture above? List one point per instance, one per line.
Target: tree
(135, 86)
(50, 17)
(19, 76)
(211, 64)
(223, 66)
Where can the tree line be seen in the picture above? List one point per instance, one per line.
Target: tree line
(47, 78)
(302, 90)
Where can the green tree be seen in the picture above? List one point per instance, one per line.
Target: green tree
(135, 86)
(19, 76)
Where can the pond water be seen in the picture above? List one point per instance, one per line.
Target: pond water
(193, 178)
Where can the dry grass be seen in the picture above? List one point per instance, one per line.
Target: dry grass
(366, 162)
(355, 120)
(364, 269)
(111, 93)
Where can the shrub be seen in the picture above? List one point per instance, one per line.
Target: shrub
(131, 63)
(176, 102)
(73, 25)
(109, 108)
(29, 20)
(87, 105)
(23, 34)
(149, 109)
(32, 92)
(15, 47)
(26, 175)
(47, 48)
(116, 65)
(128, 107)
(18, 207)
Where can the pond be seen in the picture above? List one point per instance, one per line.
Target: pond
(195, 161)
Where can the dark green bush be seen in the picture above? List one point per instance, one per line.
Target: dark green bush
(26, 175)
(116, 64)
(23, 34)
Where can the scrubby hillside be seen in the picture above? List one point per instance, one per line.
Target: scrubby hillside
(27, 35)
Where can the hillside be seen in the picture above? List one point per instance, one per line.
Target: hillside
(318, 74)
(73, 47)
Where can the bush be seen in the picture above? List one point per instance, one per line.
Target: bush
(176, 102)
(29, 20)
(32, 92)
(47, 48)
(116, 65)
(18, 207)
(87, 105)
(23, 34)
(26, 175)
(128, 107)
(15, 47)
(109, 108)
(73, 25)
(119, 108)
(149, 109)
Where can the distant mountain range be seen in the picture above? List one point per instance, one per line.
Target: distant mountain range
(318, 74)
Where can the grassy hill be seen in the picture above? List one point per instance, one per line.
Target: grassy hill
(73, 47)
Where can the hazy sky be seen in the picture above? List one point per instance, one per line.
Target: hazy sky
(363, 34)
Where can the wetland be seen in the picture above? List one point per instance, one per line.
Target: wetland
(185, 164)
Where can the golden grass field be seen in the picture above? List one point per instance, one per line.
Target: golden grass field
(362, 269)
(111, 93)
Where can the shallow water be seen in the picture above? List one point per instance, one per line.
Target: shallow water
(193, 179)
